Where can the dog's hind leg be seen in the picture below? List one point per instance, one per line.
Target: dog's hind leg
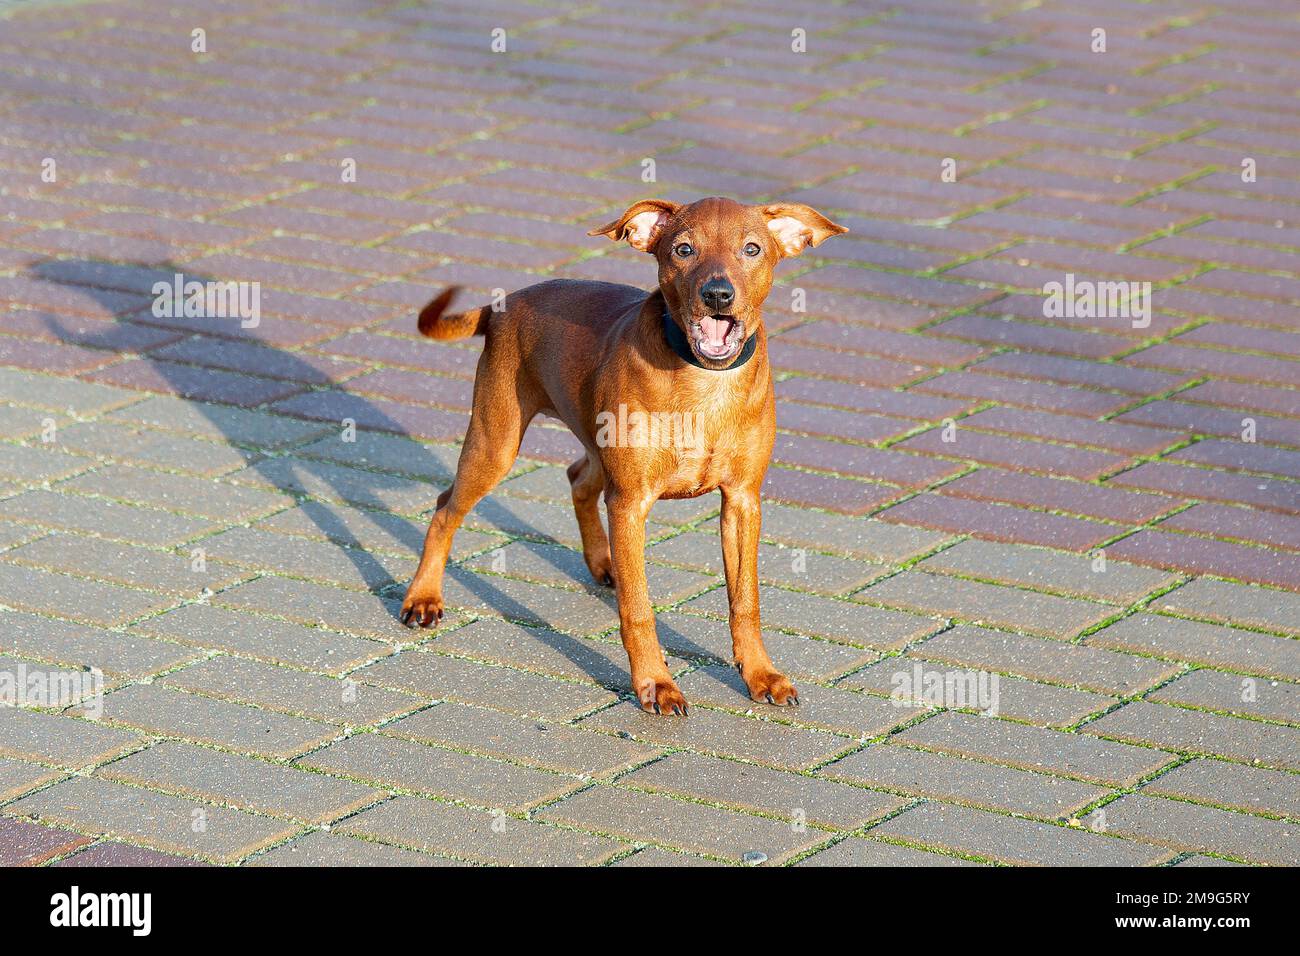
(587, 478)
(502, 411)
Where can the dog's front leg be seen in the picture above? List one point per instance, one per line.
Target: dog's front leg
(741, 522)
(651, 682)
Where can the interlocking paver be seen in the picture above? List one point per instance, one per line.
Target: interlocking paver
(728, 735)
(1187, 826)
(164, 822)
(243, 782)
(433, 771)
(30, 844)
(292, 692)
(1200, 643)
(635, 815)
(1251, 789)
(1194, 731)
(923, 774)
(1033, 748)
(1052, 661)
(1009, 840)
(179, 487)
(551, 746)
(469, 834)
(975, 601)
(160, 710)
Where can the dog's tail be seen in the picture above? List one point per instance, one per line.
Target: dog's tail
(460, 325)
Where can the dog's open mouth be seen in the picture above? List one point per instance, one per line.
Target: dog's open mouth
(718, 337)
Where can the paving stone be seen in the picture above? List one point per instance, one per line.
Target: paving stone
(1090, 668)
(1194, 731)
(1045, 614)
(1233, 694)
(370, 530)
(1250, 789)
(563, 567)
(1199, 643)
(353, 612)
(236, 425)
(723, 734)
(201, 497)
(827, 708)
(262, 638)
(160, 710)
(384, 452)
(57, 393)
(1187, 826)
(794, 797)
(500, 688)
(603, 662)
(923, 774)
(1226, 602)
(858, 852)
(654, 856)
(468, 834)
(19, 776)
(329, 482)
(116, 563)
(60, 740)
(66, 596)
(242, 782)
(836, 534)
(550, 746)
(796, 568)
(1206, 861)
(319, 848)
(1034, 748)
(26, 463)
(690, 826)
(1042, 569)
(156, 820)
(30, 844)
(168, 450)
(581, 612)
(798, 657)
(322, 561)
(110, 853)
(117, 654)
(329, 699)
(1018, 699)
(817, 616)
(1008, 840)
(530, 519)
(107, 519)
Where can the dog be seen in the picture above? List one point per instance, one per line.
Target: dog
(578, 350)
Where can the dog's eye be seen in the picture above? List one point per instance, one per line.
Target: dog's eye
(752, 249)
(684, 249)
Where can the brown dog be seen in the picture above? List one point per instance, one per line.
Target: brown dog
(693, 352)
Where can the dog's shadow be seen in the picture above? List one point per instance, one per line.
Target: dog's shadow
(111, 285)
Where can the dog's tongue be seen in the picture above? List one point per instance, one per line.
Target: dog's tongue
(715, 329)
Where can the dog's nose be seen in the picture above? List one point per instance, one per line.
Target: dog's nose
(718, 294)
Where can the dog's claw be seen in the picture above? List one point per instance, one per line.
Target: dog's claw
(772, 687)
(660, 696)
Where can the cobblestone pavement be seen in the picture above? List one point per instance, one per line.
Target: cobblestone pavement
(1101, 512)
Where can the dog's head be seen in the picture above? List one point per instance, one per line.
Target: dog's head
(716, 258)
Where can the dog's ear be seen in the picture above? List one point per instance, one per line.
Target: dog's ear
(795, 227)
(641, 224)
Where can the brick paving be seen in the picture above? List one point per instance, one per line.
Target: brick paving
(1103, 513)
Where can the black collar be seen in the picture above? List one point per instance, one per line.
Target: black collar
(677, 342)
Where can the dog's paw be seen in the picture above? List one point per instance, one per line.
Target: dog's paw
(659, 695)
(602, 569)
(769, 686)
(422, 607)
